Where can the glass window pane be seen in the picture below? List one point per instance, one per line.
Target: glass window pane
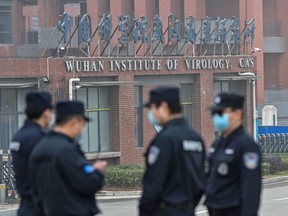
(93, 98)
(21, 94)
(5, 38)
(84, 142)
(94, 132)
(104, 97)
(82, 96)
(225, 86)
(8, 100)
(8, 121)
(217, 88)
(5, 22)
(186, 92)
(139, 127)
(104, 130)
(35, 24)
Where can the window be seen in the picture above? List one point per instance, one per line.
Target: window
(96, 135)
(221, 86)
(35, 24)
(6, 22)
(186, 100)
(138, 100)
(12, 117)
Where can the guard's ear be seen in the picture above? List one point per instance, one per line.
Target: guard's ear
(239, 113)
(165, 106)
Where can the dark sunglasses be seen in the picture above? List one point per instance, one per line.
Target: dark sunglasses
(218, 112)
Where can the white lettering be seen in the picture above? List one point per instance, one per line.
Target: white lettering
(169, 64)
(78, 66)
(93, 66)
(101, 65)
(175, 65)
(111, 66)
(159, 66)
(190, 145)
(187, 63)
(227, 61)
(86, 67)
(69, 66)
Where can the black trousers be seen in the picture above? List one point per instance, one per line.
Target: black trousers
(233, 211)
(26, 208)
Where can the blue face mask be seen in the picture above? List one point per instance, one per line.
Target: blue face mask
(152, 119)
(78, 138)
(221, 123)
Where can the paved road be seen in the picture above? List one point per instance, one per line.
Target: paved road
(274, 203)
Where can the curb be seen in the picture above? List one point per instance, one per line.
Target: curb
(103, 196)
(111, 196)
(118, 193)
(115, 195)
(9, 212)
(275, 180)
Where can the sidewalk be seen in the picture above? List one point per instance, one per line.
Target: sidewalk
(110, 196)
(8, 209)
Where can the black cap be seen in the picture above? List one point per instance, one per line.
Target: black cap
(65, 109)
(38, 102)
(225, 100)
(168, 94)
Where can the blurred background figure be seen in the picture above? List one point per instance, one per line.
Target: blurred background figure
(233, 186)
(62, 178)
(173, 182)
(39, 112)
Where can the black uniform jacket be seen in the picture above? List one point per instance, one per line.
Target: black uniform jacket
(61, 179)
(174, 168)
(21, 147)
(234, 177)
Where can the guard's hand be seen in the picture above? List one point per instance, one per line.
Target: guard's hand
(100, 165)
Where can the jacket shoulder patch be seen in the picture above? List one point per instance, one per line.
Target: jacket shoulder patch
(15, 146)
(153, 155)
(251, 160)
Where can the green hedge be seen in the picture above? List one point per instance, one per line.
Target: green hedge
(123, 176)
(275, 162)
(130, 176)
(266, 168)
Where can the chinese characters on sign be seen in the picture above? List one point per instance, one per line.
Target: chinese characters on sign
(64, 26)
(140, 30)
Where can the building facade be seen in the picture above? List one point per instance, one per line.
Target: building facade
(113, 65)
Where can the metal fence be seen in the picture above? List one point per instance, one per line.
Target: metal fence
(7, 175)
(273, 143)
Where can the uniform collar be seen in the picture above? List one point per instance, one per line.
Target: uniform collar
(29, 122)
(61, 135)
(175, 121)
(235, 133)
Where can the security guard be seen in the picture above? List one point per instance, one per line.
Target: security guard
(39, 114)
(234, 178)
(64, 180)
(173, 182)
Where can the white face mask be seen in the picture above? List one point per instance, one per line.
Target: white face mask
(52, 122)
